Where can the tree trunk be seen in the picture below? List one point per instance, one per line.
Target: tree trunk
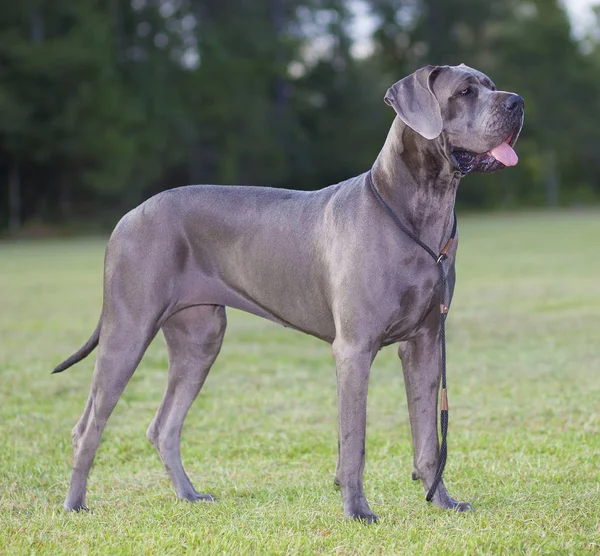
(118, 26)
(436, 34)
(14, 198)
(37, 24)
(277, 18)
(552, 179)
(65, 200)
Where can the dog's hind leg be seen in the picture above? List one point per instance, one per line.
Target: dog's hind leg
(123, 342)
(194, 336)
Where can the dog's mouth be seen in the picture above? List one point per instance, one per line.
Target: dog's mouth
(495, 159)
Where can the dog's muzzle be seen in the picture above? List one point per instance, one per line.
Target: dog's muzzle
(503, 154)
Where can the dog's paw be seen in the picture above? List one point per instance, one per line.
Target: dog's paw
(457, 505)
(463, 506)
(79, 507)
(449, 503)
(207, 498)
(364, 517)
(444, 501)
(196, 497)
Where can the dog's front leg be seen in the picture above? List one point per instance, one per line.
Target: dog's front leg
(353, 366)
(421, 367)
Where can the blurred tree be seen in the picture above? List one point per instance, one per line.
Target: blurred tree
(103, 102)
(338, 101)
(414, 33)
(63, 111)
(237, 95)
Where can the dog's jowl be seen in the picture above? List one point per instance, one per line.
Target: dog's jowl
(331, 263)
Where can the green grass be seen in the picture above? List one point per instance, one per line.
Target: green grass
(524, 386)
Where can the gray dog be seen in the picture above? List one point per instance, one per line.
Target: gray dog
(330, 263)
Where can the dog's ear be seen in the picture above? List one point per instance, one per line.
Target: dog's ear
(413, 100)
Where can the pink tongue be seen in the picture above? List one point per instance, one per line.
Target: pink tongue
(505, 154)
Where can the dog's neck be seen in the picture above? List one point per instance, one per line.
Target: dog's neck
(418, 181)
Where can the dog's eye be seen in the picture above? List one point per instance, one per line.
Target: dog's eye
(466, 92)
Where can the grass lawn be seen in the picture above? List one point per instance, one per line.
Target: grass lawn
(524, 388)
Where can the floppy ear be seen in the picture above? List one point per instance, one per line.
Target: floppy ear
(414, 101)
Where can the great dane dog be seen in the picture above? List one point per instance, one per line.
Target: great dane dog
(331, 263)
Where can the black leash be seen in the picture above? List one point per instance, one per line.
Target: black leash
(439, 259)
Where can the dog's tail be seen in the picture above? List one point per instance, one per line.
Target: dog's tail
(83, 352)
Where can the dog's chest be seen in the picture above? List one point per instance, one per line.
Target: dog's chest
(413, 304)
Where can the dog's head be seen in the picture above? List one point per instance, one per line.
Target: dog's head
(477, 124)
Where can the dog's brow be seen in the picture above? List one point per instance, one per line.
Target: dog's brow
(487, 82)
(466, 82)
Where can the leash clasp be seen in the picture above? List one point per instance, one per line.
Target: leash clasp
(444, 252)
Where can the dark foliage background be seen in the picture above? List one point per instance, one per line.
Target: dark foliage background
(105, 102)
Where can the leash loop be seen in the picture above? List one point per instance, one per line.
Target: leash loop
(439, 260)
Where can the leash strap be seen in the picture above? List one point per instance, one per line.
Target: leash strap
(439, 261)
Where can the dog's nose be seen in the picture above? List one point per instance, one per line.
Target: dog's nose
(513, 102)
